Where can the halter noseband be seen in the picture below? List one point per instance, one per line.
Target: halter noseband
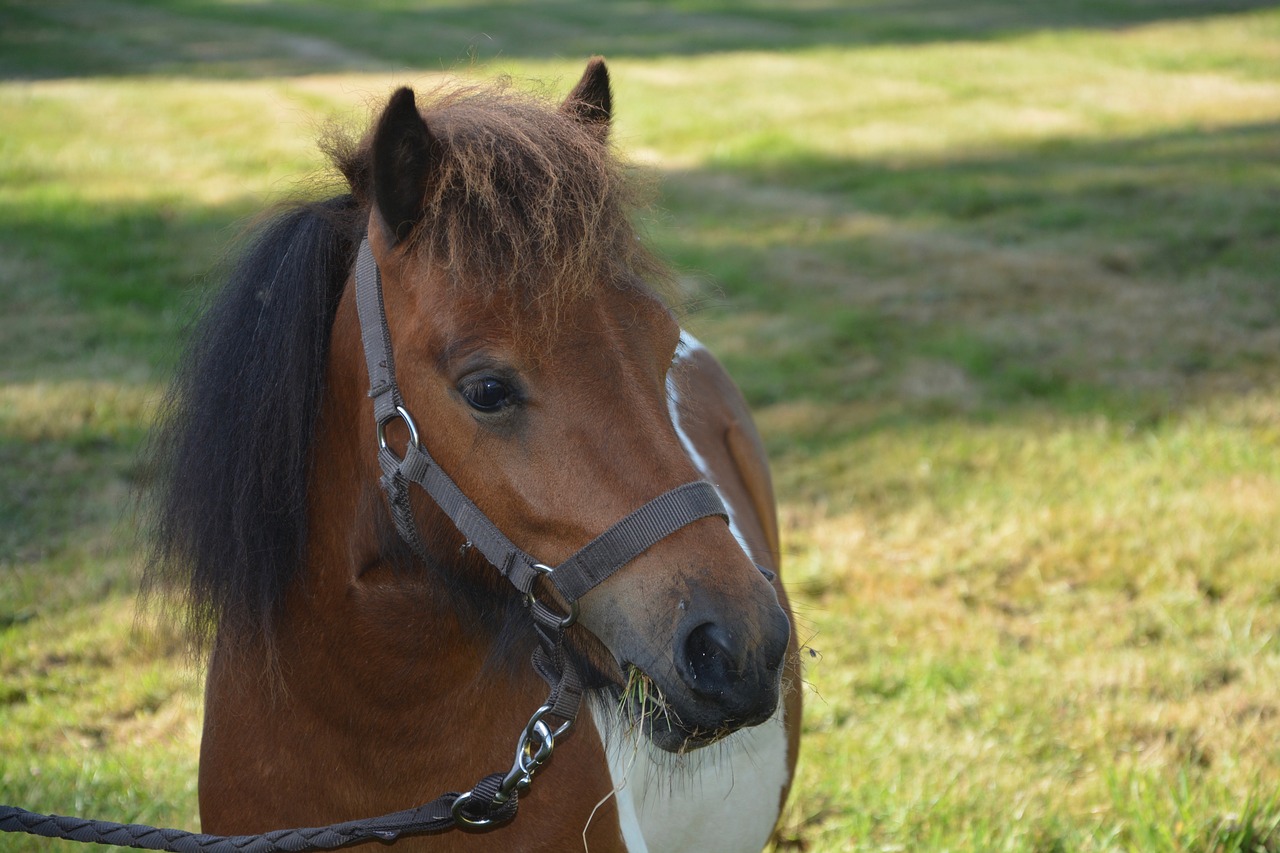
(576, 576)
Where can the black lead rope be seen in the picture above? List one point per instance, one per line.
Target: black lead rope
(446, 812)
(494, 799)
(435, 816)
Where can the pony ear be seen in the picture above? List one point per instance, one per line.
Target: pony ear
(591, 102)
(404, 155)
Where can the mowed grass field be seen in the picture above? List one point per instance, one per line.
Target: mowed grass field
(1001, 281)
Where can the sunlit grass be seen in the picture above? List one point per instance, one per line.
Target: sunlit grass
(1040, 628)
(948, 100)
(95, 718)
(1002, 296)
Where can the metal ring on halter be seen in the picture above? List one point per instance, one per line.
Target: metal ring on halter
(463, 819)
(565, 622)
(402, 414)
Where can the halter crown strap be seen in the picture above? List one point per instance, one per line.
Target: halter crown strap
(573, 578)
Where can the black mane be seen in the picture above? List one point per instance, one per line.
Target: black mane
(230, 454)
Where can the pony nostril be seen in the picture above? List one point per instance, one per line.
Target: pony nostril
(708, 659)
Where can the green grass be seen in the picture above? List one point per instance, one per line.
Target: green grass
(1000, 281)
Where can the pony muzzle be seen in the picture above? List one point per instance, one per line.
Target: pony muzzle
(729, 678)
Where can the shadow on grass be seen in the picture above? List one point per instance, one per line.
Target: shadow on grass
(105, 287)
(1121, 277)
(1071, 274)
(261, 39)
(1118, 277)
(1037, 274)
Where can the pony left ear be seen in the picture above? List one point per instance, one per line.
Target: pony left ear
(591, 102)
(404, 156)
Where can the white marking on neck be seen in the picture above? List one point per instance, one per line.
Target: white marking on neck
(632, 834)
(724, 798)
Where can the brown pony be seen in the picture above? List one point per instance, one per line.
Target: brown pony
(351, 675)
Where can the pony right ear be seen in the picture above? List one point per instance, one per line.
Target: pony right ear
(404, 155)
(591, 102)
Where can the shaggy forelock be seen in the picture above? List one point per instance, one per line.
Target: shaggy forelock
(526, 203)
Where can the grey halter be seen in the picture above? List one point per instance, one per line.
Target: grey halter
(575, 577)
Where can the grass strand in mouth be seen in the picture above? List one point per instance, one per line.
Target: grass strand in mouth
(642, 701)
(643, 707)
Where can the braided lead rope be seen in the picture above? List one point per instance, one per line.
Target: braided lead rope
(433, 817)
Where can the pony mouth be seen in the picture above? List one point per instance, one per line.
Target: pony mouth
(644, 709)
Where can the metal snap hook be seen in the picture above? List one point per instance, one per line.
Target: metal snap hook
(533, 750)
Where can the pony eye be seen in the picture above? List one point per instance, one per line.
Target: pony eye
(487, 394)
